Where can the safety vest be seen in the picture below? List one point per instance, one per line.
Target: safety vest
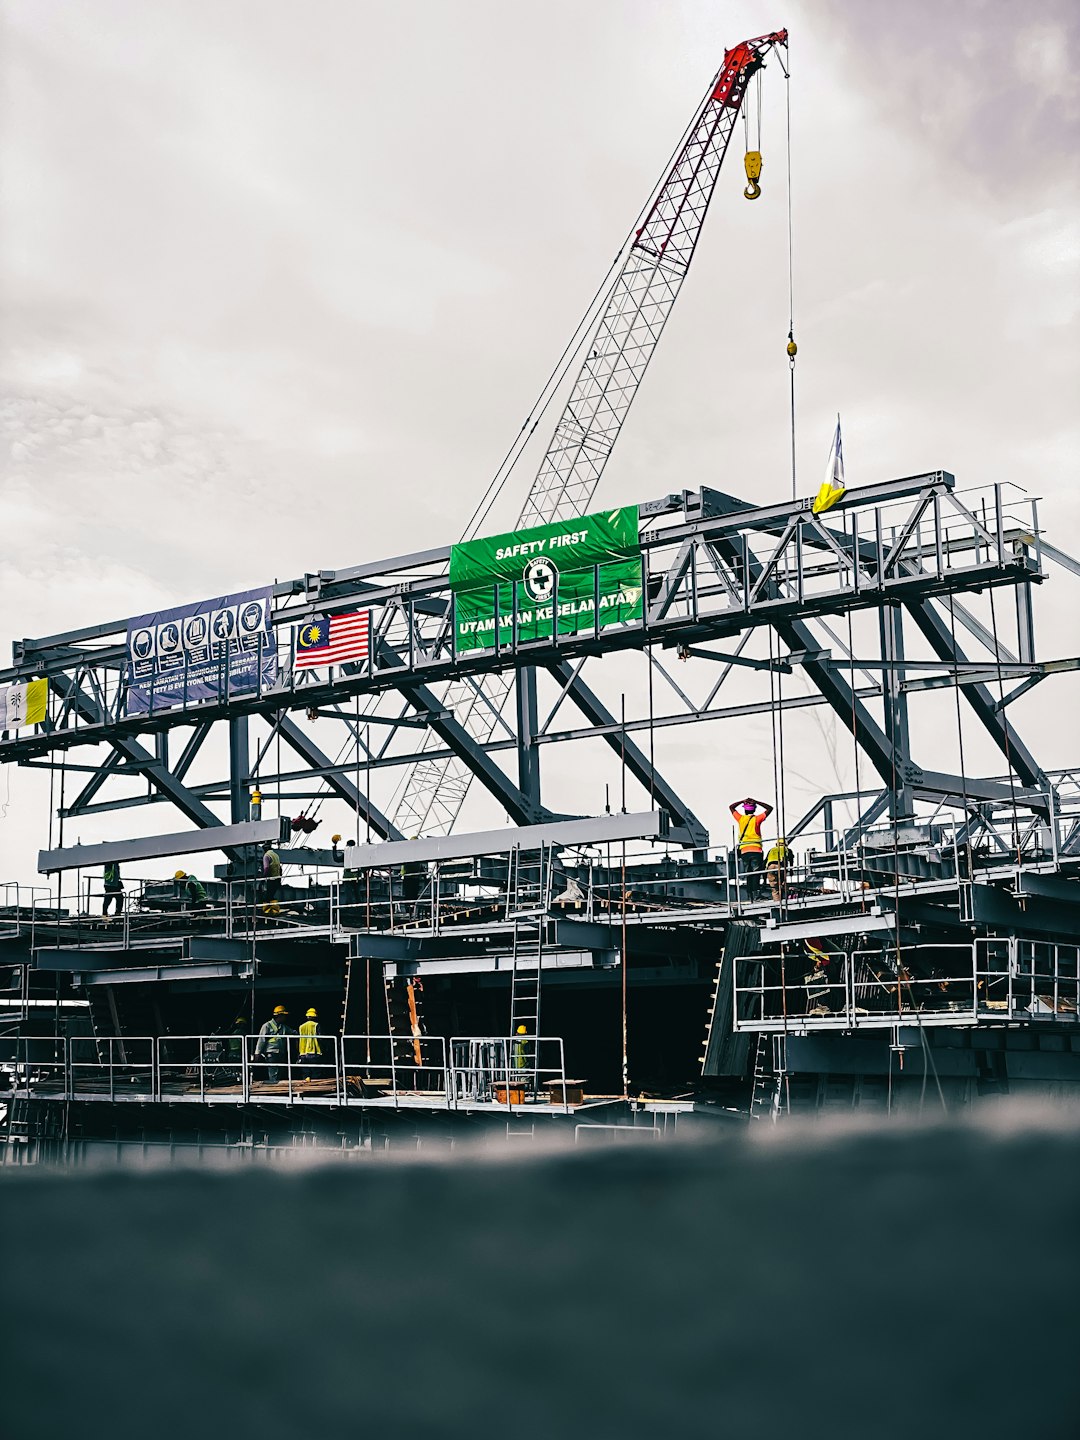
(777, 855)
(271, 864)
(749, 830)
(271, 1039)
(194, 888)
(112, 876)
(309, 1044)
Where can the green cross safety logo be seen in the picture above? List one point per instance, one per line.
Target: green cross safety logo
(539, 577)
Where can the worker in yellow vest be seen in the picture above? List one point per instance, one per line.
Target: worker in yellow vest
(749, 820)
(776, 862)
(311, 1054)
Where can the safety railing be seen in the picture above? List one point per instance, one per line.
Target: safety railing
(113, 1067)
(33, 1065)
(836, 863)
(1027, 979)
(394, 1069)
(378, 1070)
(17, 902)
(803, 988)
(511, 1071)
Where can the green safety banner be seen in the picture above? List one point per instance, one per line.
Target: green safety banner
(571, 564)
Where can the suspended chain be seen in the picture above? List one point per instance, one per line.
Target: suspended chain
(639, 303)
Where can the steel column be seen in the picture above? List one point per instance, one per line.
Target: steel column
(239, 768)
(528, 753)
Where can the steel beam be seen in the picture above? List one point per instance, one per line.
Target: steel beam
(933, 783)
(153, 847)
(595, 830)
(480, 963)
(855, 922)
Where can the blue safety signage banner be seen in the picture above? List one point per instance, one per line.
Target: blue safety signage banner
(211, 650)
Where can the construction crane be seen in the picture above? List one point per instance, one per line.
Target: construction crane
(637, 305)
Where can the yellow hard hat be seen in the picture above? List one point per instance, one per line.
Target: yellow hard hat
(312, 1015)
(280, 1010)
(180, 875)
(521, 1030)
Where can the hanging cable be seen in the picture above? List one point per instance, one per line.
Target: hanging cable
(792, 348)
(855, 743)
(1005, 729)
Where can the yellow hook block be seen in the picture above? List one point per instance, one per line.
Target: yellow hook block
(752, 163)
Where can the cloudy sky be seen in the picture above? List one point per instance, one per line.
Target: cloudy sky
(281, 281)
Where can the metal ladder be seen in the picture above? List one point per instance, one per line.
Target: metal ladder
(767, 1086)
(528, 885)
(525, 983)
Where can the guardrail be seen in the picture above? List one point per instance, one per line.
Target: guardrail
(864, 988)
(987, 979)
(835, 862)
(378, 1070)
(1027, 979)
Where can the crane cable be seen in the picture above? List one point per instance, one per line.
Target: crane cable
(792, 348)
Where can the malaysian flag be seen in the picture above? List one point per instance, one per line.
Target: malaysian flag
(333, 639)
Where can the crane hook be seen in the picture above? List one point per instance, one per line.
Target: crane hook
(752, 165)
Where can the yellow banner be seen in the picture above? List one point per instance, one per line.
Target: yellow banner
(37, 702)
(23, 704)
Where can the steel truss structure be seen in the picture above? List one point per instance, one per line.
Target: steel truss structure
(715, 570)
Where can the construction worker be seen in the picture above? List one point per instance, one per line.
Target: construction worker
(273, 1043)
(234, 1047)
(816, 980)
(310, 1050)
(776, 868)
(271, 872)
(192, 890)
(749, 821)
(522, 1049)
(114, 890)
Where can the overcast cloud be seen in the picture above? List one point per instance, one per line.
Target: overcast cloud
(280, 283)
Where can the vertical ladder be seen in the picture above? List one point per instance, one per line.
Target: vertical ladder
(525, 983)
(767, 1085)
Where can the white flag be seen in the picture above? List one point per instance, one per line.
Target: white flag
(832, 487)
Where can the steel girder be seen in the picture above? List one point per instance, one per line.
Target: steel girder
(747, 589)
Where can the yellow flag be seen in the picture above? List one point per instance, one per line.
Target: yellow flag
(827, 496)
(37, 702)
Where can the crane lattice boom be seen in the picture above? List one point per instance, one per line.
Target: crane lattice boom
(616, 357)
